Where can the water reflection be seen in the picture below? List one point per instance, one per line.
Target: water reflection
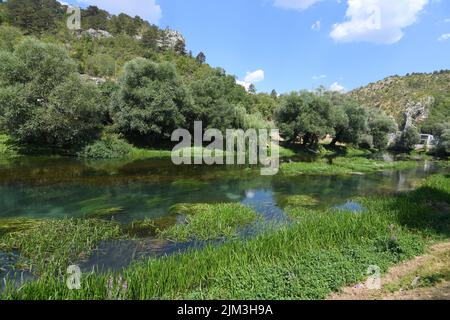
(57, 188)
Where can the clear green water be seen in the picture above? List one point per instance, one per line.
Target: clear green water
(61, 187)
(56, 188)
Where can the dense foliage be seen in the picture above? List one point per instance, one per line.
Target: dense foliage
(142, 89)
(43, 100)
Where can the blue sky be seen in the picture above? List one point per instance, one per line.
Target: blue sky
(301, 44)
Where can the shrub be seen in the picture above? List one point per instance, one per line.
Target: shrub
(110, 146)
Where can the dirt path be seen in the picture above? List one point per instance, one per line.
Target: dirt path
(425, 278)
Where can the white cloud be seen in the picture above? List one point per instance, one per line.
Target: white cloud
(320, 77)
(444, 37)
(316, 26)
(447, 20)
(337, 87)
(377, 21)
(255, 76)
(251, 78)
(146, 9)
(295, 4)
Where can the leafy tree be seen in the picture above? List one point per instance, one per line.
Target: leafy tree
(201, 58)
(274, 94)
(43, 101)
(380, 126)
(443, 147)
(180, 47)
(265, 105)
(150, 38)
(151, 101)
(305, 117)
(95, 18)
(408, 139)
(351, 122)
(220, 102)
(35, 16)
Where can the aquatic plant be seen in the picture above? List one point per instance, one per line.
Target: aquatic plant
(310, 259)
(51, 245)
(209, 221)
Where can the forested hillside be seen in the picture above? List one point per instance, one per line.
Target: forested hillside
(120, 82)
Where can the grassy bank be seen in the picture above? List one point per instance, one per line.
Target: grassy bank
(320, 253)
(342, 166)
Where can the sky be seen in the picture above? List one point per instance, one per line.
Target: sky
(291, 45)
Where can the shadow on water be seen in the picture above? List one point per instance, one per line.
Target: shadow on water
(137, 190)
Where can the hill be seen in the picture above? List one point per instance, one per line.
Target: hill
(418, 97)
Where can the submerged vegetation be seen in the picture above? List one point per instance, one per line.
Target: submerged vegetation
(48, 247)
(209, 222)
(309, 259)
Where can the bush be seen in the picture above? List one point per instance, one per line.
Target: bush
(7, 148)
(110, 146)
(408, 139)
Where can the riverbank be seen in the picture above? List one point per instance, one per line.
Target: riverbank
(426, 277)
(320, 252)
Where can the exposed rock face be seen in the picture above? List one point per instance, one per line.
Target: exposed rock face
(97, 34)
(417, 112)
(96, 80)
(406, 98)
(170, 38)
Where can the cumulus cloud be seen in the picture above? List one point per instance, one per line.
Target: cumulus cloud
(146, 9)
(377, 21)
(295, 4)
(255, 76)
(251, 78)
(337, 87)
(444, 37)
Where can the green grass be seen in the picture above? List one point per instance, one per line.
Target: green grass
(322, 252)
(7, 149)
(342, 166)
(209, 221)
(47, 247)
(138, 153)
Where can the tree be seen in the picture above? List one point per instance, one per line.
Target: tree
(274, 94)
(443, 147)
(380, 126)
(43, 101)
(220, 103)
(180, 47)
(95, 18)
(35, 16)
(201, 58)
(351, 122)
(151, 102)
(265, 105)
(408, 139)
(150, 38)
(306, 117)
